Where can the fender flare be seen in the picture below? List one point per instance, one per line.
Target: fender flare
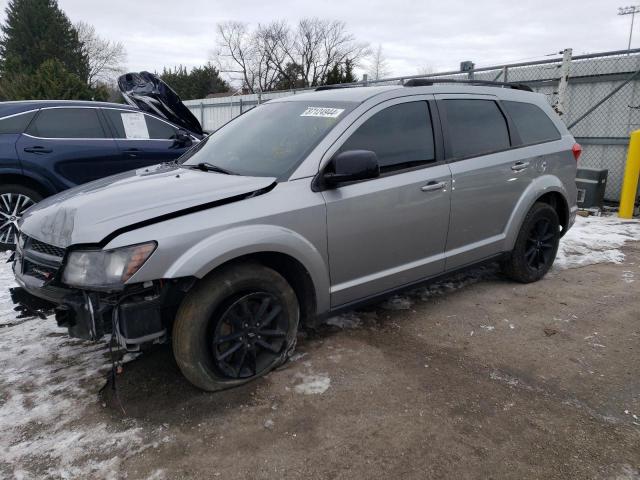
(538, 188)
(211, 252)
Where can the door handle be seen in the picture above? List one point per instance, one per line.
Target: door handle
(433, 186)
(132, 152)
(519, 166)
(37, 149)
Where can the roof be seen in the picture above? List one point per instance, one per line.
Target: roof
(360, 94)
(10, 108)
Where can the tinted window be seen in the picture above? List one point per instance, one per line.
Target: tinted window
(16, 123)
(475, 127)
(399, 135)
(534, 126)
(270, 140)
(155, 129)
(67, 123)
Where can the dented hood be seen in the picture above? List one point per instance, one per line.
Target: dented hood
(90, 213)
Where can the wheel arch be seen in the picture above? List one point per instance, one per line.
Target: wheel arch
(547, 189)
(39, 185)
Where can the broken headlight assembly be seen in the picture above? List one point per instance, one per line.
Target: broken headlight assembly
(105, 268)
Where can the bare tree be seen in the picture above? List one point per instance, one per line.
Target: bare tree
(106, 58)
(378, 67)
(425, 70)
(275, 54)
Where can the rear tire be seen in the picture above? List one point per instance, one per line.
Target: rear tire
(14, 200)
(236, 325)
(536, 246)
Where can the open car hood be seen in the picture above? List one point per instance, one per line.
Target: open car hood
(149, 93)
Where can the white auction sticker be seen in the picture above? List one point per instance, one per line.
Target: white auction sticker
(325, 112)
(135, 126)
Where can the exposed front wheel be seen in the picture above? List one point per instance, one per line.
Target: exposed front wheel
(14, 200)
(536, 245)
(235, 325)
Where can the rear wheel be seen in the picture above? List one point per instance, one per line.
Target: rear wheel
(14, 200)
(235, 325)
(536, 245)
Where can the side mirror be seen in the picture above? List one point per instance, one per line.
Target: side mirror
(350, 166)
(183, 139)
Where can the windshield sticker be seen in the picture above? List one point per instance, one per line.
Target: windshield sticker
(324, 112)
(135, 126)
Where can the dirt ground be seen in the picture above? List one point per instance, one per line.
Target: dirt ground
(492, 380)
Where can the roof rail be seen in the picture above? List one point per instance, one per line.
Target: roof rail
(336, 86)
(425, 82)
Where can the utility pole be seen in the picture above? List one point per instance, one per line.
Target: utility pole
(631, 10)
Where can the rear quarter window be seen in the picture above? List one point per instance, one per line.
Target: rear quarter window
(533, 125)
(16, 123)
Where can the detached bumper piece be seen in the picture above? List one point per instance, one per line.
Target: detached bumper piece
(28, 305)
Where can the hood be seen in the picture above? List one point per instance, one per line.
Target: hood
(147, 92)
(90, 213)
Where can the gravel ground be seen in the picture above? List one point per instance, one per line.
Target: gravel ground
(473, 377)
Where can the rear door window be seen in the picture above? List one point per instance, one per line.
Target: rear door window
(67, 123)
(400, 135)
(16, 123)
(533, 125)
(475, 127)
(139, 126)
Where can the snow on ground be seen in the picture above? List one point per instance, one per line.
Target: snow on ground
(594, 240)
(51, 425)
(47, 384)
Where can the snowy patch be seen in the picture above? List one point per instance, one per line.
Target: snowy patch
(346, 320)
(48, 385)
(397, 303)
(594, 240)
(312, 384)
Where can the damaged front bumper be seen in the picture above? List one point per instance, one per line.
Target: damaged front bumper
(136, 315)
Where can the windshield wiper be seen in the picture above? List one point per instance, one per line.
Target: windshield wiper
(210, 167)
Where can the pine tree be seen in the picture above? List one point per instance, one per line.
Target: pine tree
(198, 83)
(36, 31)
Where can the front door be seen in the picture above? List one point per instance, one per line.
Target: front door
(389, 231)
(68, 145)
(143, 139)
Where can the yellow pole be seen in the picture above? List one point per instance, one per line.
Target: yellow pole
(631, 175)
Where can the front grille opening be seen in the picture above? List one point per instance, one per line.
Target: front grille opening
(41, 247)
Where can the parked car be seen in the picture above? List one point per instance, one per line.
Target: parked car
(298, 209)
(49, 146)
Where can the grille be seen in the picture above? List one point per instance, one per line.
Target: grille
(41, 247)
(40, 272)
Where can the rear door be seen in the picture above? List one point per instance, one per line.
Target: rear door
(488, 176)
(69, 146)
(390, 231)
(144, 139)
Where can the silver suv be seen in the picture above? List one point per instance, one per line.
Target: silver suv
(301, 207)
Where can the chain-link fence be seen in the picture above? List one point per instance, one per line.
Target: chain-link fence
(600, 101)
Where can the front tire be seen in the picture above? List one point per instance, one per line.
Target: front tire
(236, 325)
(536, 246)
(14, 200)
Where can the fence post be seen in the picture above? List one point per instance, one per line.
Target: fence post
(631, 175)
(240, 105)
(505, 74)
(564, 79)
(365, 79)
(202, 115)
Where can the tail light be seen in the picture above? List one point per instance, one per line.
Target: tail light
(576, 150)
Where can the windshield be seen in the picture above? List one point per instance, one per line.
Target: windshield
(270, 140)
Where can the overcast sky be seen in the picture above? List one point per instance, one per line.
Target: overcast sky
(413, 33)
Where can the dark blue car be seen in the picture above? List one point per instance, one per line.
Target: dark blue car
(49, 146)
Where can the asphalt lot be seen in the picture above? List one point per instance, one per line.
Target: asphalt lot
(475, 377)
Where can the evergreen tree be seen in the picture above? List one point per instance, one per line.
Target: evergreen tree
(341, 73)
(50, 80)
(334, 75)
(36, 31)
(349, 76)
(198, 83)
